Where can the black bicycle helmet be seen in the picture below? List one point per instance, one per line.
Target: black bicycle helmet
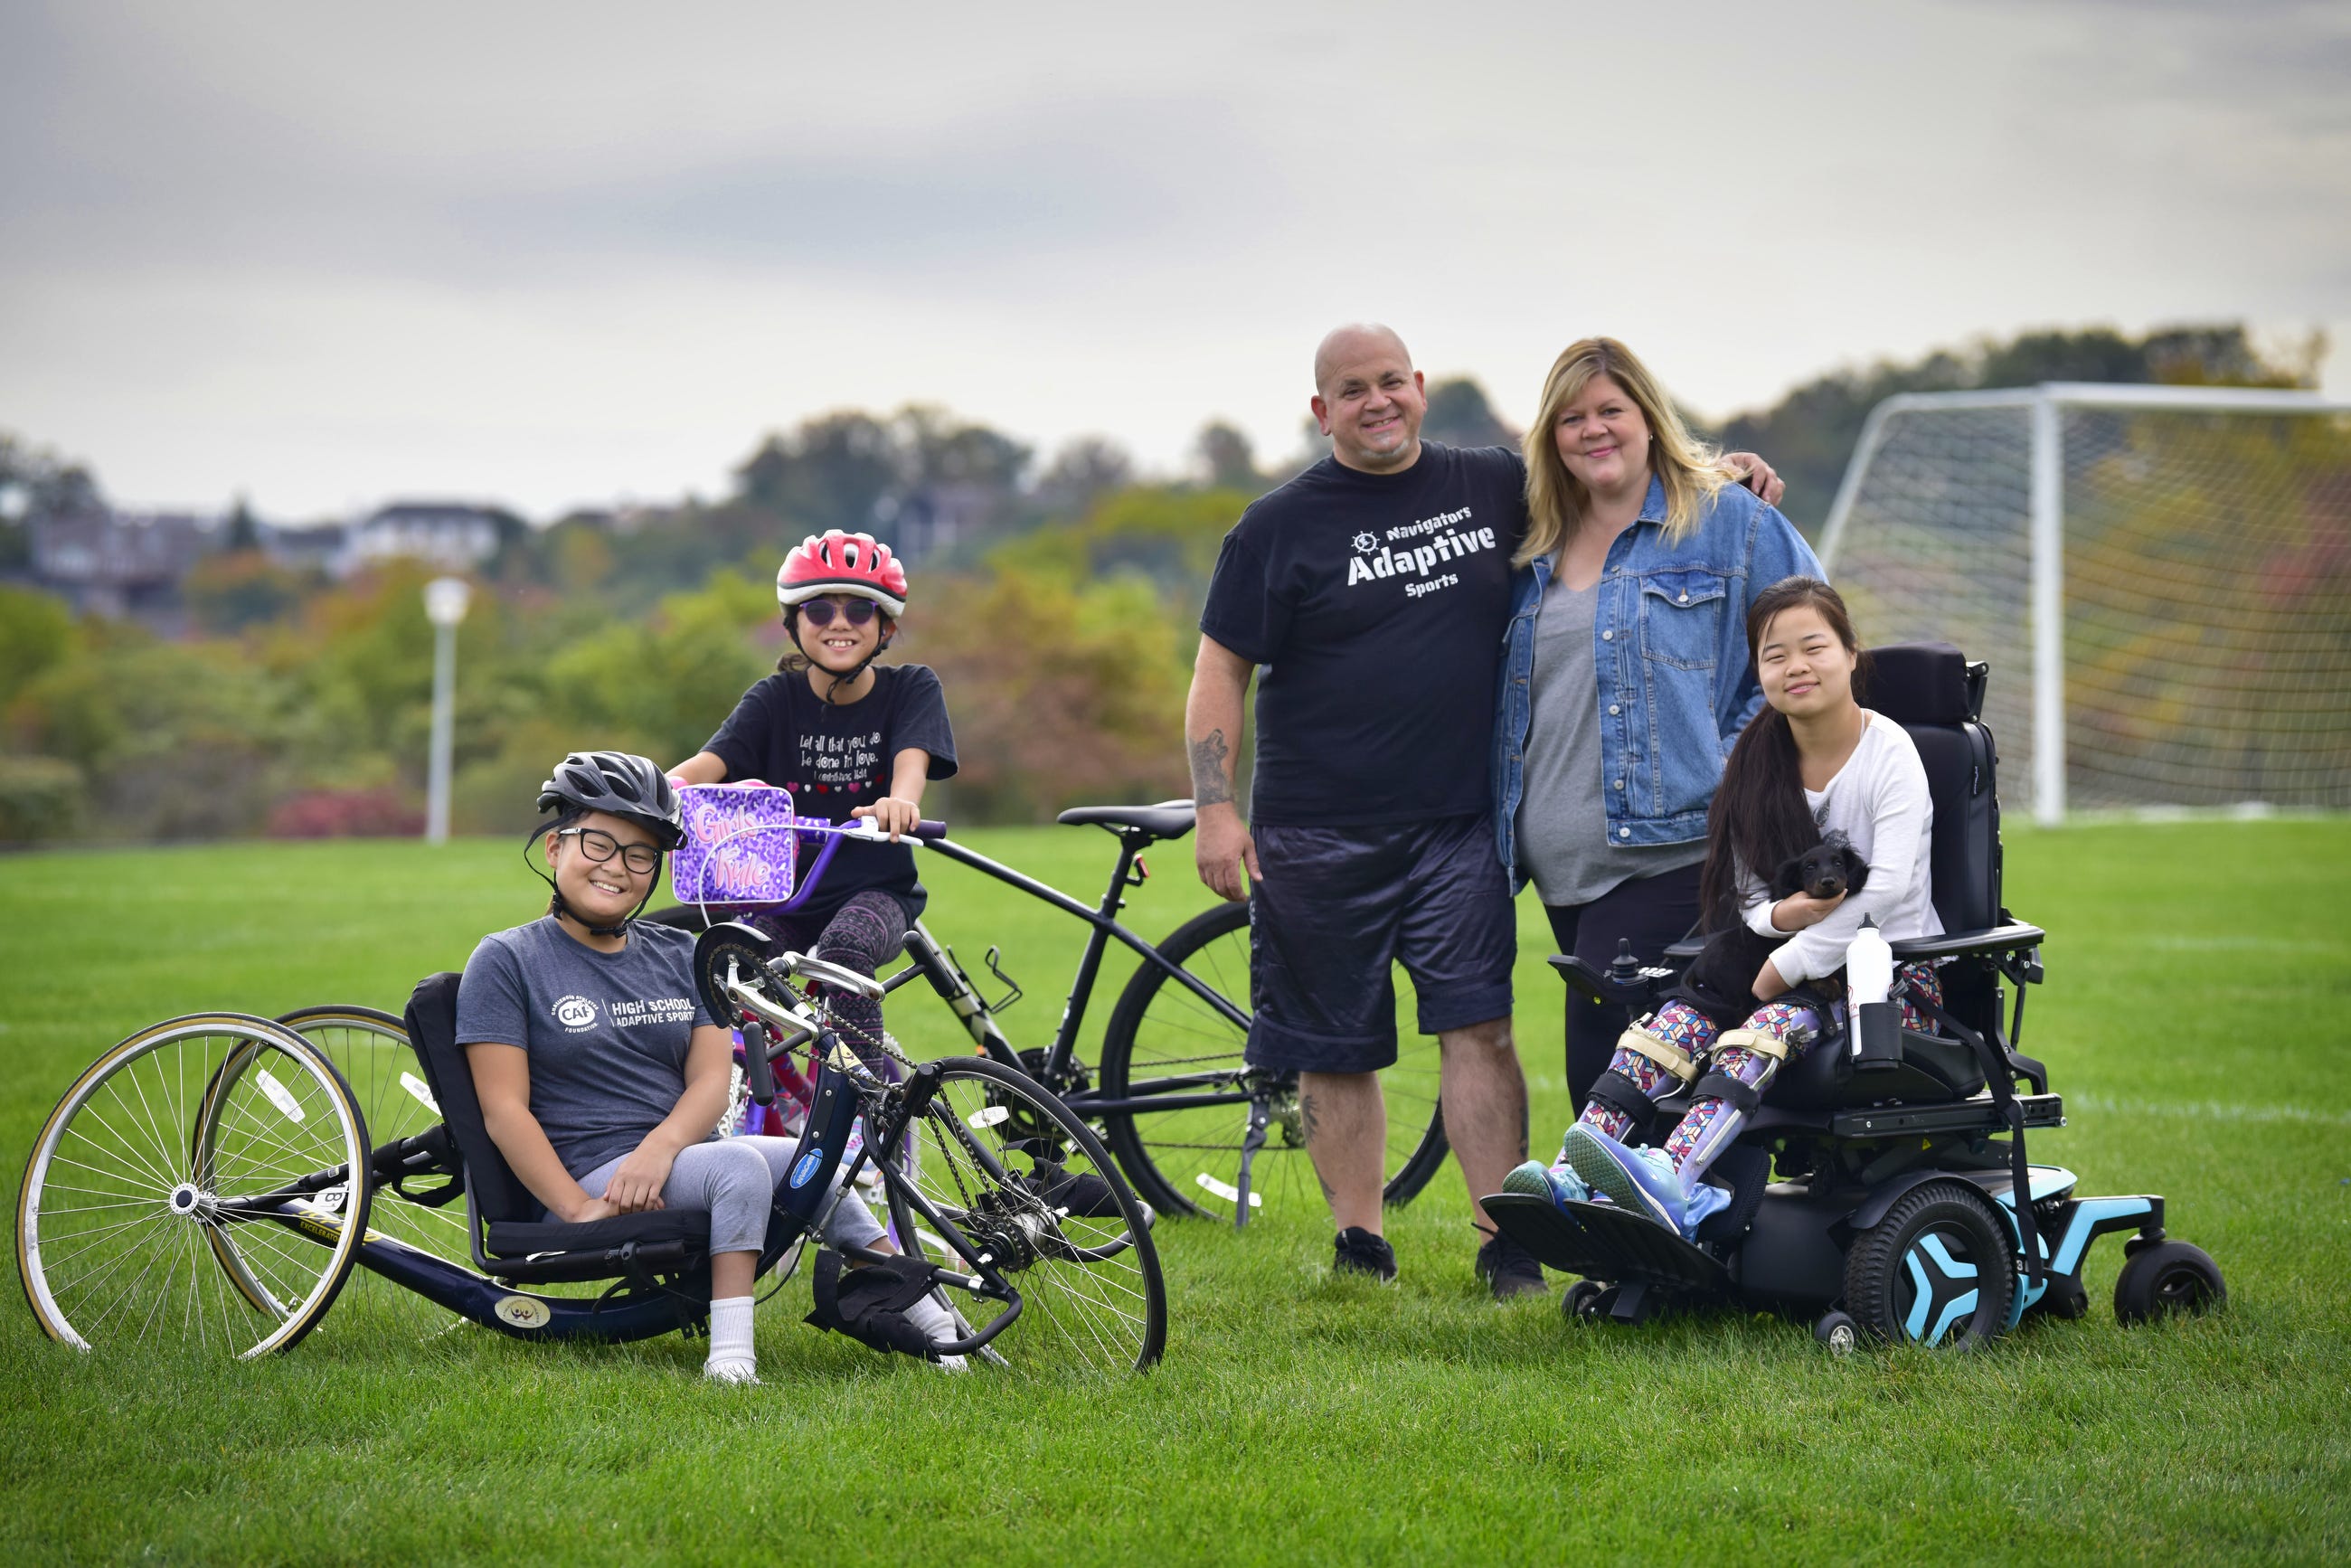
(621, 784)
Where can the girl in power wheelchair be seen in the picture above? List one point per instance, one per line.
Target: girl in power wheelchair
(1814, 763)
(599, 1070)
(1767, 1136)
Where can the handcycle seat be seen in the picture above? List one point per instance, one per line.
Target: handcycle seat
(511, 1237)
(1167, 819)
(522, 1237)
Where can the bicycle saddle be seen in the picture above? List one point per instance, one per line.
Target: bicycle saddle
(1167, 819)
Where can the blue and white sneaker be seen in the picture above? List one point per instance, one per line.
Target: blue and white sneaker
(1558, 1183)
(1639, 1181)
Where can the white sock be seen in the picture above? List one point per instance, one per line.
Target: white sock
(732, 1357)
(937, 1324)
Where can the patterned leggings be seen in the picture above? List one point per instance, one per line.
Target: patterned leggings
(863, 935)
(1793, 1024)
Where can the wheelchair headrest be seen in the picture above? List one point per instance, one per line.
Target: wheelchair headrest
(1924, 683)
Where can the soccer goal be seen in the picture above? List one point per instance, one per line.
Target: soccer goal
(2159, 575)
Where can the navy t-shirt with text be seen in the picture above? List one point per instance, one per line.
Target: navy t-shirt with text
(1374, 605)
(837, 758)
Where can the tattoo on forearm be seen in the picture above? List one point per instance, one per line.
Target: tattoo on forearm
(1211, 784)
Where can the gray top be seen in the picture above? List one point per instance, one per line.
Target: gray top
(1562, 823)
(606, 1032)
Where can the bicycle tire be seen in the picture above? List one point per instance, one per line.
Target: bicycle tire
(169, 1168)
(1168, 1155)
(1092, 1291)
(371, 1049)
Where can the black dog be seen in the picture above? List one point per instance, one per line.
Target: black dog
(1720, 981)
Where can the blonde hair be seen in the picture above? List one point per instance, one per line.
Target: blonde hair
(1690, 468)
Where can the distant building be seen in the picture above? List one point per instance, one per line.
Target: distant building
(449, 535)
(320, 547)
(935, 517)
(120, 564)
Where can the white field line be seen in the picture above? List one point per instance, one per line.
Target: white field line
(2206, 1110)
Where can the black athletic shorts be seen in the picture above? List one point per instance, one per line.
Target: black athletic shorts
(1337, 906)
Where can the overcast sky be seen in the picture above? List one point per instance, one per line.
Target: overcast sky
(561, 254)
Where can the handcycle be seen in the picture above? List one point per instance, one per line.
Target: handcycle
(211, 1180)
(1197, 1128)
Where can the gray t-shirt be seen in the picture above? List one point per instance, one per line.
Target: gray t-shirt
(1562, 822)
(606, 1032)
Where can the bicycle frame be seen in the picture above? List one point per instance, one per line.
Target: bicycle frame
(935, 963)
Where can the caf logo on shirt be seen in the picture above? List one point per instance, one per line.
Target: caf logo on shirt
(576, 1013)
(1366, 543)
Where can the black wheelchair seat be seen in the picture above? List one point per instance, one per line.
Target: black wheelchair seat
(512, 1239)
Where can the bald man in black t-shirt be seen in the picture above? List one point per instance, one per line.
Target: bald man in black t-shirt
(1371, 590)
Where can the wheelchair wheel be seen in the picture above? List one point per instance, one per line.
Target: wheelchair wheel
(1189, 1161)
(1938, 1269)
(2167, 1278)
(193, 1188)
(1020, 1175)
(371, 1050)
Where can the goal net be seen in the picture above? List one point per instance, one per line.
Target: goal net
(2159, 577)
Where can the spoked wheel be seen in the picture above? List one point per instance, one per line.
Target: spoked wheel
(1938, 1269)
(1052, 1214)
(1164, 1041)
(371, 1050)
(193, 1188)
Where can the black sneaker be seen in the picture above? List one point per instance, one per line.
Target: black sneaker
(1510, 1269)
(1359, 1252)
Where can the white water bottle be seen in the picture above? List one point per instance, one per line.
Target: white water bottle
(1869, 979)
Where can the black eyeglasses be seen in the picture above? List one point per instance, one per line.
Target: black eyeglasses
(856, 611)
(600, 846)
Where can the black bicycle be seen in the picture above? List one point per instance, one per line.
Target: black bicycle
(1196, 1129)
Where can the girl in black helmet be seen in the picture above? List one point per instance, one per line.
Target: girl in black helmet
(600, 1074)
(851, 740)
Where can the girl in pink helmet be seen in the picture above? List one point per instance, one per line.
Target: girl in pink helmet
(851, 739)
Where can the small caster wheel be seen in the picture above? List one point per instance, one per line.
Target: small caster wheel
(2066, 1299)
(1581, 1304)
(1838, 1333)
(2168, 1276)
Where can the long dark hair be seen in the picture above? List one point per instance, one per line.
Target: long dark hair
(1758, 818)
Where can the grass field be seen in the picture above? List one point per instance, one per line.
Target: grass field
(2197, 1019)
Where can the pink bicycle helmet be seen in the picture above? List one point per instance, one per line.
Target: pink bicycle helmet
(842, 563)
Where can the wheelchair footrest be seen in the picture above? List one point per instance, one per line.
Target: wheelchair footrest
(1604, 1242)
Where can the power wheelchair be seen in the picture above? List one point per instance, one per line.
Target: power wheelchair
(210, 1181)
(1899, 1156)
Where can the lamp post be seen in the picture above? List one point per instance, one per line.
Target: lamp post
(444, 605)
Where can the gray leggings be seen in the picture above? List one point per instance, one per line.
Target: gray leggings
(735, 1180)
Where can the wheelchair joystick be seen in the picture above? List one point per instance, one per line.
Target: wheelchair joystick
(1625, 969)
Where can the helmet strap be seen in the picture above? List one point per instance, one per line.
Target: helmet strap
(830, 696)
(561, 910)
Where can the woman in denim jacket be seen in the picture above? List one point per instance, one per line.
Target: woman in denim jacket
(1624, 675)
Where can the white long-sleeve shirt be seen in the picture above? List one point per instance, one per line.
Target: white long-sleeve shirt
(1878, 799)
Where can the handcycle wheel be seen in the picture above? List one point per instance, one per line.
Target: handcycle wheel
(371, 1050)
(1052, 1212)
(138, 1220)
(1189, 1161)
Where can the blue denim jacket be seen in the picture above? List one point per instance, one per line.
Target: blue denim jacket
(1670, 646)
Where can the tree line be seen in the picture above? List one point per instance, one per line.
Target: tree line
(1057, 599)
